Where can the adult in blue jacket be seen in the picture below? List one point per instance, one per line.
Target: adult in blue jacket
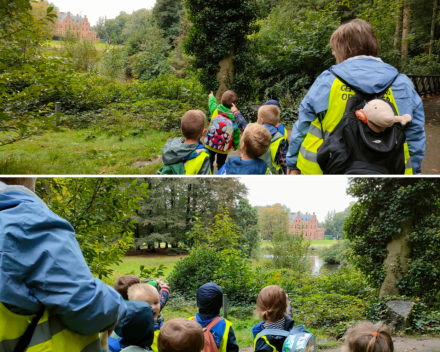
(355, 48)
(42, 267)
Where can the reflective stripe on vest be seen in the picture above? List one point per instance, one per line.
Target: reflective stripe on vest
(339, 95)
(266, 340)
(193, 166)
(224, 342)
(154, 345)
(50, 334)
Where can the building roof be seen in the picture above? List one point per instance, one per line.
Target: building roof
(304, 217)
(63, 15)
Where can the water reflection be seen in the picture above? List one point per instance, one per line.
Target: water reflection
(316, 263)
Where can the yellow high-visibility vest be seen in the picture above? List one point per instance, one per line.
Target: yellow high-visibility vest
(50, 335)
(339, 95)
(193, 166)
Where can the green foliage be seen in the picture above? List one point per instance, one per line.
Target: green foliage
(195, 270)
(271, 219)
(335, 253)
(26, 72)
(82, 53)
(221, 235)
(220, 28)
(246, 219)
(383, 204)
(152, 272)
(290, 251)
(100, 211)
(167, 15)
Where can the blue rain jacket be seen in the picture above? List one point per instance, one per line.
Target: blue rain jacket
(370, 76)
(41, 264)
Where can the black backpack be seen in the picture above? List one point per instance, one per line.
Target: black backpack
(355, 149)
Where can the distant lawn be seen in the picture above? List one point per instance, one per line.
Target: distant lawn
(84, 152)
(324, 242)
(130, 264)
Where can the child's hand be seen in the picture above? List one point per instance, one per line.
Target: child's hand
(234, 108)
(211, 94)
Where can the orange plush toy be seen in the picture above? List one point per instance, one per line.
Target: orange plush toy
(379, 115)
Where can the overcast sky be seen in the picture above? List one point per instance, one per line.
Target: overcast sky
(100, 8)
(305, 194)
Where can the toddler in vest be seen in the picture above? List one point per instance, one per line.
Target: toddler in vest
(254, 143)
(272, 309)
(136, 331)
(367, 337)
(123, 283)
(148, 293)
(189, 150)
(217, 139)
(209, 302)
(181, 335)
(269, 117)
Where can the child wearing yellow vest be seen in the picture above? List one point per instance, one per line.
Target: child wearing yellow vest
(189, 150)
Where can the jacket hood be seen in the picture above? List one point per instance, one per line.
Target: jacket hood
(11, 196)
(223, 109)
(271, 129)
(209, 299)
(175, 150)
(367, 74)
(236, 166)
(137, 328)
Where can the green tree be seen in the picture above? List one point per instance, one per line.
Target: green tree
(222, 235)
(246, 218)
(383, 205)
(290, 251)
(219, 29)
(26, 72)
(271, 220)
(167, 15)
(100, 210)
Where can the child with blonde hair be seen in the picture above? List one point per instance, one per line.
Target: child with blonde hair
(368, 337)
(272, 309)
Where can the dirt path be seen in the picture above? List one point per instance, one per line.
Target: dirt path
(401, 344)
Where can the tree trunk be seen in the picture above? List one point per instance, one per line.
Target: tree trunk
(434, 20)
(166, 245)
(398, 35)
(406, 29)
(396, 261)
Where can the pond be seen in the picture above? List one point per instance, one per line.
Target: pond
(316, 263)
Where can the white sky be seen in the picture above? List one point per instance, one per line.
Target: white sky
(300, 193)
(101, 8)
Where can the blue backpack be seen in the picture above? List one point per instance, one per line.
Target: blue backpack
(297, 340)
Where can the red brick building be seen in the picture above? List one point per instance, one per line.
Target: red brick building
(307, 224)
(77, 25)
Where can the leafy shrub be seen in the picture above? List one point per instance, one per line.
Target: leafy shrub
(82, 53)
(423, 65)
(331, 312)
(335, 253)
(195, 270)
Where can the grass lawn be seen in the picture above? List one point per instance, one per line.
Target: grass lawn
(323, 242)
(72, 152)
(130, 264)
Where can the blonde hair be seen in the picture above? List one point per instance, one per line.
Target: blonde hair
(270, 114)
(137, 290)
(257, 140)
(271, 304)
(353, 39)
(181, 335)
(367, 337)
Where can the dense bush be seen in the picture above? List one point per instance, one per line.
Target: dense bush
(335, 253)
(195, 270)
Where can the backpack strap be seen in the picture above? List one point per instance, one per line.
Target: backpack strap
(212, 323)
(273, 332)
(25, 339)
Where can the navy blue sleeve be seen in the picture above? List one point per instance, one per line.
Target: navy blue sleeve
(163, 297)
(232, 342)
(240, 121)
